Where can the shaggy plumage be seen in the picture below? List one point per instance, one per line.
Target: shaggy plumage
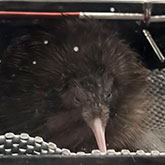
(61, 88)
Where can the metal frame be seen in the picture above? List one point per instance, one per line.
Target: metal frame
(88, 1)
(111, 157)
(82, 160)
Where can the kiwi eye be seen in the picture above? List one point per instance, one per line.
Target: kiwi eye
(76, 99)
(60, 88)
(109, 95)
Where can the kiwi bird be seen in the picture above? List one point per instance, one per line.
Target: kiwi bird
(82, 90)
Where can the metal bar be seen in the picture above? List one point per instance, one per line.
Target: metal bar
(154, 45)
(157, 18)
(96, 15)
(40, 14)
(83, 15)
(94, 1)
(70, 1)
(106, 15)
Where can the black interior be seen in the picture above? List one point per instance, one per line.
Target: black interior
(131, 31)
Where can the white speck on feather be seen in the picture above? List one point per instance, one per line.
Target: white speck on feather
(76, 48)
(46, 42)
(112, 9)
(34, 62)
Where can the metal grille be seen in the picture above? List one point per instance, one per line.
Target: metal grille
(156, 109)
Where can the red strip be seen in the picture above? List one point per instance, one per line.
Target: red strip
(37, 14)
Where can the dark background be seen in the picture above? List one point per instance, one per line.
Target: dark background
(131, 31)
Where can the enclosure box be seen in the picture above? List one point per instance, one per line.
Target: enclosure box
(143, 24)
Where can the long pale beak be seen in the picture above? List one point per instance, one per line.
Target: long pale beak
(99, 132)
